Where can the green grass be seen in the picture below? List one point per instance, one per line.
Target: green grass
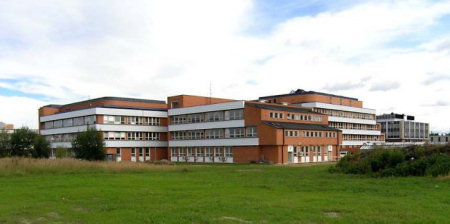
(215, 194)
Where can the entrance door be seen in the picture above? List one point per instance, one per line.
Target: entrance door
(141, 155)
(314, 148)
(319, 153)
(290, 157)
(307, 154)
(295, 154)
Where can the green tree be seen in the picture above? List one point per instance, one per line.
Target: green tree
(5, 144)
(41, 147)
(22, 142)
(89, 145)
(61, 152)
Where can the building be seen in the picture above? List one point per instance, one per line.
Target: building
(204, 129)
(403, 128)
(8, 128)
(133, 129)
(358, 124)
(440, 139)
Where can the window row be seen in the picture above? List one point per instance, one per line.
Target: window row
(302, 117)
(215, 133)
(70, 122)
(208, 117)
(218, 152)
(362, 138)
(109, 119)
(61, 137)
(309, 134)
(139, 150)
(342, 125)
(339, 113)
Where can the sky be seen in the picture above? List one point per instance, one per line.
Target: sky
(392, 55)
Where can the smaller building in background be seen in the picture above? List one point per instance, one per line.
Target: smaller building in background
(440, 139)
(9, 128)
(403, 128)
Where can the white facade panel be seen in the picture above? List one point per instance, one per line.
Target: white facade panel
(338, 107)
(207, 108)
(61, 144)
(122, 144)
(351, 120)
(360, 132)
(130, 128)
(207, 125)
(56, 131)
(214, 142)
(105, 111)
(346, 143)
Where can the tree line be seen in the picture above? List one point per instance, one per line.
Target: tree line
(23, 142)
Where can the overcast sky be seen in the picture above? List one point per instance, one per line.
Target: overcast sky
(392, 55)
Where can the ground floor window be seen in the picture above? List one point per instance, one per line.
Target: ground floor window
(147, 152)
(208, 152)
(228, 152)
(199, 152)
(118, 152)
(174, 152)
(133, 152)
(218, 152)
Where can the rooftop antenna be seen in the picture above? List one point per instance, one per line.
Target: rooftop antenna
(210, 92)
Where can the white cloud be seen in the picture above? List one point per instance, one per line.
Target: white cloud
(72, 49)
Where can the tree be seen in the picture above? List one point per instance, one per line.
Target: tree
(22, 142)
(5, 144)
(25, 142)
(61, 152)
(41, 147)
(89, 145)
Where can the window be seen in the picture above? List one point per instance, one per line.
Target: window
(141, 153)
(152, 136)
(319, 152)
(195, 118)
(78, 121)
(291, 133)
(90, 119)
(57, 124)
(178, 135)
(174, 152)
(197, 134)
(118, 152)
(182, 154)
(132, 120)
(234, 133)
(154, 121)
(214, 116)
(208, 152)
(48, 124)
(133, 152)
(234, 114)
(190, 152)
(147, 153)
(180, 119)
(228, 152)
(68, 122)
(252, 132)
(272, 115)
(134, 135)
(218, 152)
(199, 152)
(214, 133)
(114, 135)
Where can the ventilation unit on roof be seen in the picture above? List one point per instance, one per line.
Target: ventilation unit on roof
(263, 101)
(284, 103)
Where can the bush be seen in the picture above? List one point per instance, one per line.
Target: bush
(61, 152)
(25, 143)
(89, 145)
(5, 144)
(409, 161)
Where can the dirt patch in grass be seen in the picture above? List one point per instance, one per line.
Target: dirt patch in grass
(235, 219)
(332, 214)
(444, 177)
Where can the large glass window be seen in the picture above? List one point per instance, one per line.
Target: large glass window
(174, 152)
(234, 133)
(199, 152)
(218, 152)
(90, 119)
(214, 116)
(234, 114)
(214, 133)
(58, 124)
(178, 135)
(68, 122)
(197, 134)
(228, 152)
(252, 131)
(152, 136)
(195, 118)
(180, 119)
(78, 121)
(48, 125)
(208, 152)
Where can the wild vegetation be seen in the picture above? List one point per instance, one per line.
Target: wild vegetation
(74, 191)
(24, 142)
(89, 145)
(409, 161)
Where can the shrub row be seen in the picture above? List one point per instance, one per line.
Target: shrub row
(408, 161)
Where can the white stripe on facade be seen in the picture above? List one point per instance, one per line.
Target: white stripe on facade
(359, 143)
(351, 120)
(360, 132)
(104, 111)
(338, 107)
(214, 142)
(207, 108)
(207, 125)
(104, 127)
(117, 144)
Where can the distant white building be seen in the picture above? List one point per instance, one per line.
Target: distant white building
(403, 128)
(440, 139)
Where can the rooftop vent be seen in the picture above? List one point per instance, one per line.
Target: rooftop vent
(263, 101)
(284, 103)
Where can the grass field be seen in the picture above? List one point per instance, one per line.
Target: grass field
(68, 191)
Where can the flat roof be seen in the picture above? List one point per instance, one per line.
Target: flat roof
(299, 126)
(303, 92)
(108, 98)
(288, 108)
